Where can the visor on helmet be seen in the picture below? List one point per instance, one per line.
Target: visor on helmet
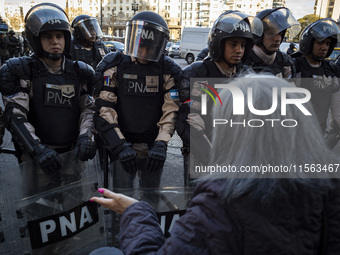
(90, 28)
(230, 22)
(40, 15)
(323, 29)
(145, 40)
(280, 20)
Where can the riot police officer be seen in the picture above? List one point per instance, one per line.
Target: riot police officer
(136, 106)
(13, 44)
(317, 74)
(265, 56)
(47, 107)
(291, 49)
(85, 44)
(202, 54)
(230, 41)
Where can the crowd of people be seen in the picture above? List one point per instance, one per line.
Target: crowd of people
(12, 45)
(72, 94)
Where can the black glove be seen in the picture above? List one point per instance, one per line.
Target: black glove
(127, 157)
(48, 159)
(156, 156)
(182, 126)
(85, 148)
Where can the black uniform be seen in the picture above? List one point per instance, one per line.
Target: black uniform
(322, 84)
(282, 61)
(196, 138)
(137, 97)
(53, 104)
(91, 57)
(13, 46)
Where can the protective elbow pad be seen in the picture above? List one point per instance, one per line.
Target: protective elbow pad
(107, 131)
(21, 134)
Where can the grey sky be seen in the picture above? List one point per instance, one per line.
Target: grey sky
(300, 8)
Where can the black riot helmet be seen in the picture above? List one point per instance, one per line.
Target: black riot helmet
(278, 20)
(233, 24)
(47, 17)
(319, 31)
(146, 36)
(86, 29)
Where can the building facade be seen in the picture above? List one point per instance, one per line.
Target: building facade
(113, 14)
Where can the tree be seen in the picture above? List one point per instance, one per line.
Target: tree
(305, 21)
(74, 12)
(15, 22)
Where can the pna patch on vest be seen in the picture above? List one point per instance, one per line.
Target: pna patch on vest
(58, 227)
(152, 83)
(59, 95)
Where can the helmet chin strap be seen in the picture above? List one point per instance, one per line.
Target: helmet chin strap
(53, 56)
(316, 57)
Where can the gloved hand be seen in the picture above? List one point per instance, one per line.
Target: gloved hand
(156, 156)
(127, 157)
(181, 124)
(85, 148)
(48, 159)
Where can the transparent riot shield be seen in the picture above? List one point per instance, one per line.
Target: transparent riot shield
(51, 214)
(168, 202)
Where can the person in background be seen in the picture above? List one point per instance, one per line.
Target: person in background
(278, 23)
(13, 44)
(47, 105)
(296, 212)
(319, 75)
(26, 46)
(291, 49)
(202, 54)
(4, 54)
(85, 45)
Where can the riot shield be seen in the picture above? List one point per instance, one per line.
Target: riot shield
(168, 202)
(51, 214)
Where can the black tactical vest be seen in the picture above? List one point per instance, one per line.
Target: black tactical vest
(321, 82)
(140, 97)
(92, 57)
(277, 68)
(54, 110)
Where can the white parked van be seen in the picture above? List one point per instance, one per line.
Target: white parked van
(193, 40)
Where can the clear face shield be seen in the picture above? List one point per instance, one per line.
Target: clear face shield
(145, 40)
(90, 29)
(231, 21)
(41, 15)
(280, 20)
(324, 29)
